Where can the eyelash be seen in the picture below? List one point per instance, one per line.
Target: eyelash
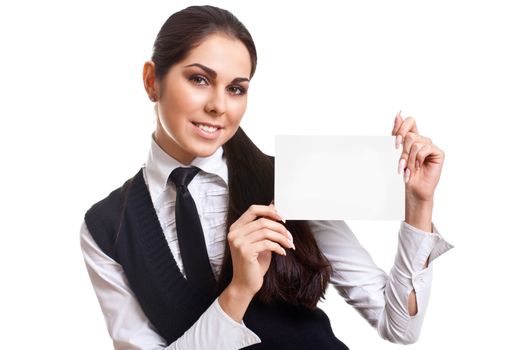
(195, 78)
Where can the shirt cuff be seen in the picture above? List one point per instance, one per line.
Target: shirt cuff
(419, 245)
(215, 329)
(246, 336)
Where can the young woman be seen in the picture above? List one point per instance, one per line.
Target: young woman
(267, 274)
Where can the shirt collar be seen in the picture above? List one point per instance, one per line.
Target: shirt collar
(159, 166)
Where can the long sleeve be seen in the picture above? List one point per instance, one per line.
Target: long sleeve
(129, 327)
(380, 298)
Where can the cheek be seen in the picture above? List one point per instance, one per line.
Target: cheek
(184, 99)
(238, 109)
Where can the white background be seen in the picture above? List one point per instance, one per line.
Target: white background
(76, 122)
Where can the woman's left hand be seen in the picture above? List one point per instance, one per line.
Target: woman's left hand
(421, 160)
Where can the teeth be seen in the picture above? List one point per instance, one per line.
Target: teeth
(206, 128)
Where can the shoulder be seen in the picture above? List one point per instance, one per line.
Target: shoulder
(109, 203)
(103, 217)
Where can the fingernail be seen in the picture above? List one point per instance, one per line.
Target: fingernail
(399, 139)
(398, 114)
(401, 165)
(276, 213)
(407, 175)
(290, 237)
(395, 118)
(291, 243)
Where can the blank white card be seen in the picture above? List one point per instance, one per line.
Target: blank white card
(338, 178)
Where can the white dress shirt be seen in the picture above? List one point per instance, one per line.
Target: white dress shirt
(380, 298)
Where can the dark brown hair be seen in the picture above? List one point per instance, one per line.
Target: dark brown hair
(300, 277)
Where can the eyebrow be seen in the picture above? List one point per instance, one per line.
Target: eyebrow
(214, 73)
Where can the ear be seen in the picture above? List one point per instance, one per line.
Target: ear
(148, 76)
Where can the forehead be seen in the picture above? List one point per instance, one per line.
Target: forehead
(225, 55)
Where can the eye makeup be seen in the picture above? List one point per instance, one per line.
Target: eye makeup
(198, 79)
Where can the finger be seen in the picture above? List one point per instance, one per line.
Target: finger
(398, 125)
(414, 150)
(264, 223)
(410, 138)
(253, 212)
(238, 236)
(267, 234)
(266, 245)
(272, 205)
(430, 154)
(397, 122)
(408, 125)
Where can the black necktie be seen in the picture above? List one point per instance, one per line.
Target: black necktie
(189, 233)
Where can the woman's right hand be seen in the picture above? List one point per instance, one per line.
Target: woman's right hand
(252, 239)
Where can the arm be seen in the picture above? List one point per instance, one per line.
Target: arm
(129, 327)
(418, 215)
(421, 162)
(383, 300)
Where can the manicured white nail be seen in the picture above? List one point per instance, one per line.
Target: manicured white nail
(401, 165)
(395, 119)
(291, 243)
(399, 140)
(407, 175)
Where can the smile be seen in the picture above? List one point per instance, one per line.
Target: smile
(207, 131)
(206, 128)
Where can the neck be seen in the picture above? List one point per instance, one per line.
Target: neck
(167, 146)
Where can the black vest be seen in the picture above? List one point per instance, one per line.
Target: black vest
(168, 301)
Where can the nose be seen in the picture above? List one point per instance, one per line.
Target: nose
(217, 102)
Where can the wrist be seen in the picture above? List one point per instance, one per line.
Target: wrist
(234, 301)
(413, 197)
(239, 293)
(418, 213)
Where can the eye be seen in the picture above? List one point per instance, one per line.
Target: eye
(238, 90)
(198, 79)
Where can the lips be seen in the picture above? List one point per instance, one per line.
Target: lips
(205, 131)
(207, 124)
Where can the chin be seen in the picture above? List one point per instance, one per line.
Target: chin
(205, 151)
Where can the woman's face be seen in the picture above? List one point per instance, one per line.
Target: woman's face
(202, 98)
